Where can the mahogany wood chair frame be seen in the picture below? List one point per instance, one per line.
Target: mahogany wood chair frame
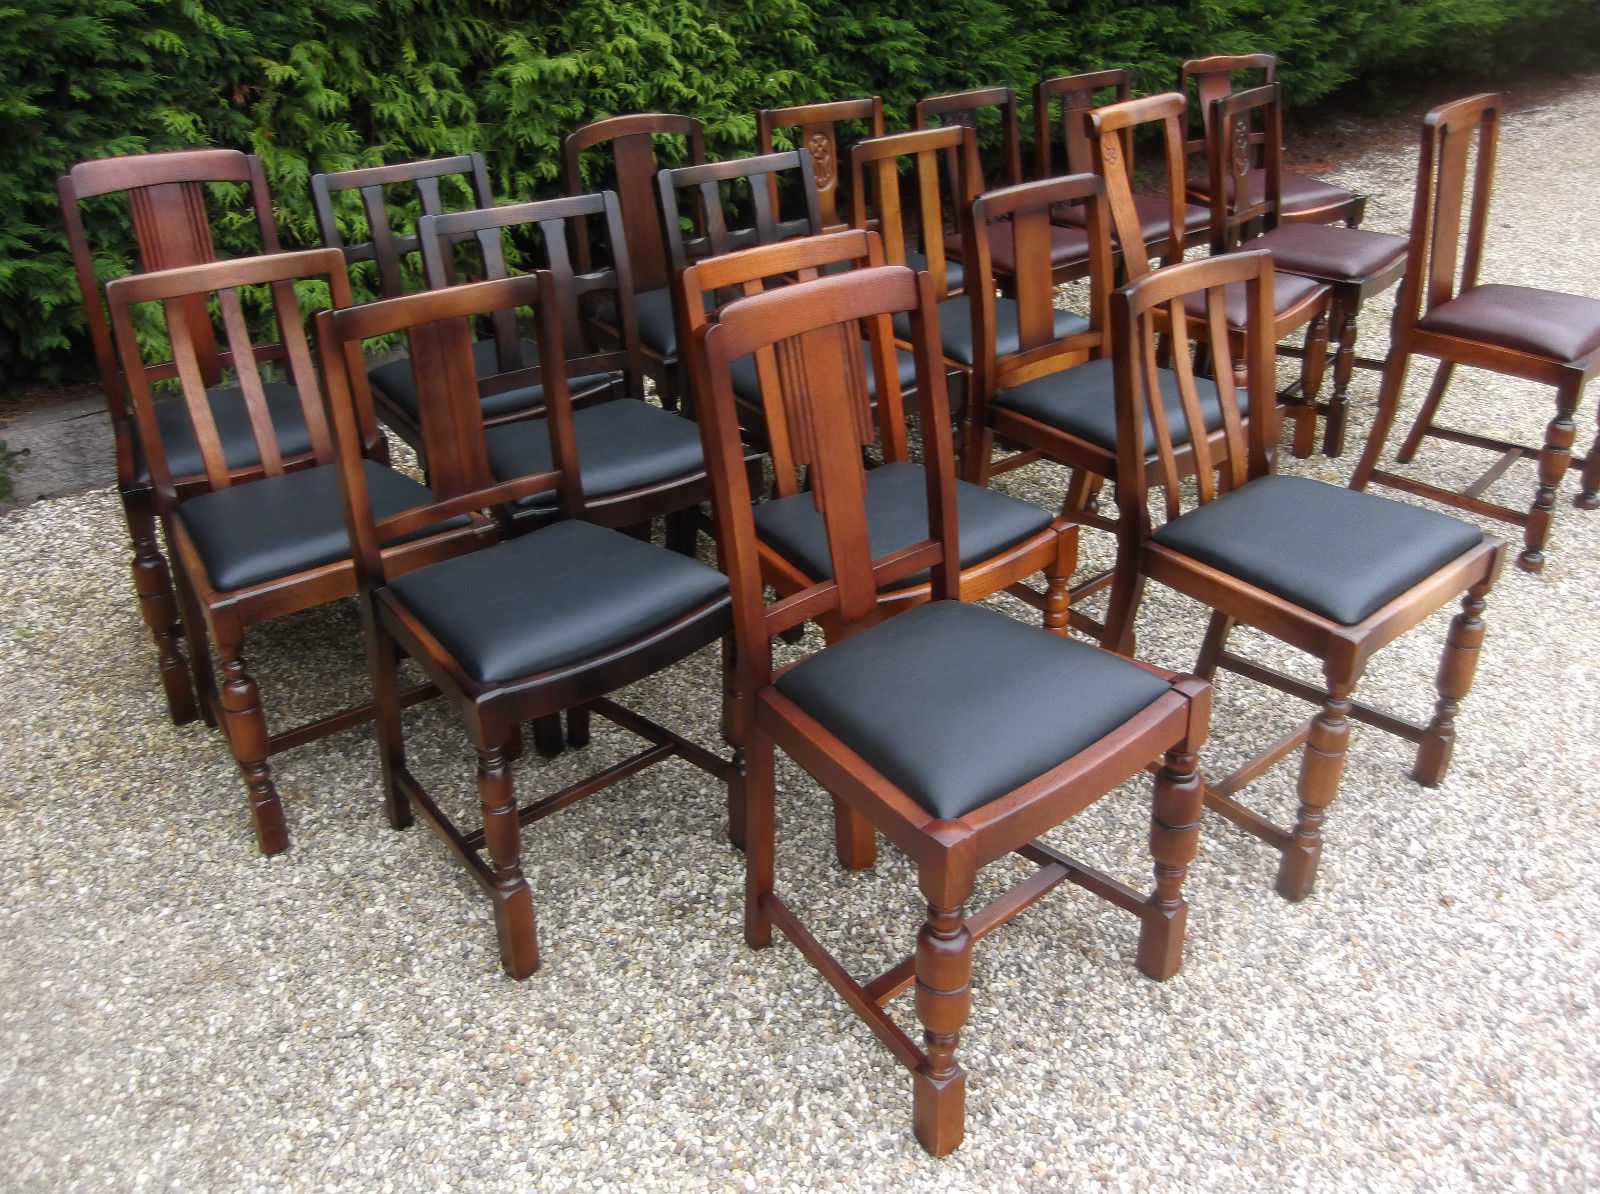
(1300, 302)
(1069, 246)
(1246, 131)
(733, 205)
(1077, 96)
(256, 547)
(1305, 200)
(1333, 573)
(387, 250)
(880, 426)
(1538, 335)
(817, 132)
(630, 141)
(644, 462)
(525, 627)
(811, 326)
(171, 228)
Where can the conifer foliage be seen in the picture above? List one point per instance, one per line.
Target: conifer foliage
(315, 85)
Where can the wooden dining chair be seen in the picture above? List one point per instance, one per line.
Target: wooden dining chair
(1304, 199)
(1069, 246)
(1297, 302)
(913, 238)
(523, 628)
(1004, 540)
(1329, 571)
(1061, 145)
(271, 542)
(166, 198)
(1246, 130)
(958, 732)
(1444, 312)
(392, 199)
(817, 131)
(629, 143)
(639, 462)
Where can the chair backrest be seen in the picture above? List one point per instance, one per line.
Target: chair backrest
(747, 273)
(387, 214)
(1206, 80)
(562, 224)
(1141, 313)
(631, 143)
(1077, 94)
(968, 109)
(437, 328)
(1245, 131)
(1111, 128)
(220, 282)
(171, 228)
(818, 134)
(1027, 209)
(719, 194)
(815, 328)
(875, 195)
(1444, 257)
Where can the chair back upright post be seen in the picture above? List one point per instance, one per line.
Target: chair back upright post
(1076, 94)
(817, 132)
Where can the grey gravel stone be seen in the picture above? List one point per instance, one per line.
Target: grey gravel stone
(177, 1012)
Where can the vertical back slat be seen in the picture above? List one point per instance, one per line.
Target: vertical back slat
(248, 375)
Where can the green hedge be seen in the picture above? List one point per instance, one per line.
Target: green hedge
(328, 84)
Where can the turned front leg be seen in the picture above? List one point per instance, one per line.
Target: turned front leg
(1321, 767)
(1457, 667)
(944, 1000)
(508, 887)
(1174, 839)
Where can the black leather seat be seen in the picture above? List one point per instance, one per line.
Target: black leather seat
(622, 444)
(233, 430)
(919, 697)
(1334, 551)
(567, 592)
(1082, 402)
(278, 526)
(897, 516)
(396, 380)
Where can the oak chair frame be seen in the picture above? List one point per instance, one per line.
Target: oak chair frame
(1343, 650)
(387, 250)
(630, 140)
(436, 327)
(817, 132)
(564, 223)
(1432, 279)
(1109, 127)
(1210, 79)
(1068, 252)
(1246, 128)
(171, 229)
(217, 617)
(806, 320)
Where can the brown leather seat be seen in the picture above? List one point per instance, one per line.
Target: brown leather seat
(1546, 322)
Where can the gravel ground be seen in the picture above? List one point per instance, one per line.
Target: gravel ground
(177, 1012)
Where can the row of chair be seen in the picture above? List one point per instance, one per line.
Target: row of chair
(958, 735)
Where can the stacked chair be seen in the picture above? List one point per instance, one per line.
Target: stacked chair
(803, 336)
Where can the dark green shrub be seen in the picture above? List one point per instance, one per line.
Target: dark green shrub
(328, 84)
